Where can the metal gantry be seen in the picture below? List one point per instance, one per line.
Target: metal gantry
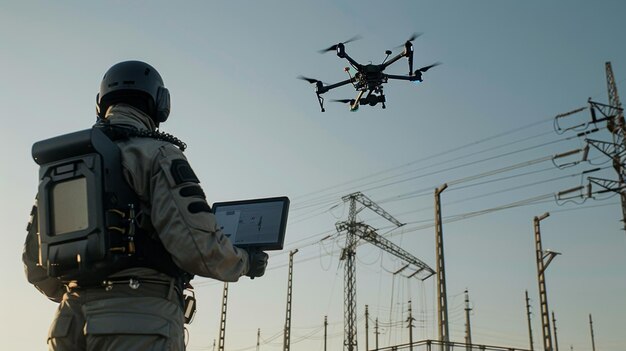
(357, 230)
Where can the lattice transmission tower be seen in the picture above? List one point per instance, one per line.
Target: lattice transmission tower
(356, 230)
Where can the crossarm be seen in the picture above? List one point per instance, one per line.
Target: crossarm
(369, 234)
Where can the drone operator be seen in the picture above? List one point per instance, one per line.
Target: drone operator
(170, 235)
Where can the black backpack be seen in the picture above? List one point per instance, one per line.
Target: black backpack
(87, 212)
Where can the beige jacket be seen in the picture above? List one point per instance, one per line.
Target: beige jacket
(182, 221)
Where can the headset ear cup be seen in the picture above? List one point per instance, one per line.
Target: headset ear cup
(162, 104)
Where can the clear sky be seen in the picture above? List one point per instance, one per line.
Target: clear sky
(254, 130)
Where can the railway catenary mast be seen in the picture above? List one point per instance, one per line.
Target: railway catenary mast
(287, 332)
(357, 230)
(222, 339)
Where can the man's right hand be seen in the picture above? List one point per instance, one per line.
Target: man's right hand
(257, 262)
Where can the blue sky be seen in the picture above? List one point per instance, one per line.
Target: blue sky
(254, 130)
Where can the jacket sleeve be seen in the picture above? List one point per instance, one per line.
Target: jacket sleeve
(184, 223)
(35, 274)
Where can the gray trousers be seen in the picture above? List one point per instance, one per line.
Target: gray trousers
(149, 317)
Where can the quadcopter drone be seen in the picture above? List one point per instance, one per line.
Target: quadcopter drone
(368, 78)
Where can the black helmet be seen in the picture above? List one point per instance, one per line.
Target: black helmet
(130, 80)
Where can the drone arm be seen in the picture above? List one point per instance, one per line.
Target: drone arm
(323, 89)
(393, 60)
(342, 54)
(413, 78)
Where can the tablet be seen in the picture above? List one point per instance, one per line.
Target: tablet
(258, 223)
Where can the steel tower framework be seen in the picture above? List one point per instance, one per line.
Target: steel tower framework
(355, 230)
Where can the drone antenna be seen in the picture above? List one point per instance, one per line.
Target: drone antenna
(388, 53)
(347, 70)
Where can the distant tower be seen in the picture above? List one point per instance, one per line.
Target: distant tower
(556, 338)
(593, 340)
(468, 325)
(530, 329)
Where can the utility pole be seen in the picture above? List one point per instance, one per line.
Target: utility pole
(530, 330)
(543, 260)
(410, 320)
(442, 299)
(223, 319)
(357, 230)
(258, 339)
(367, 325)
(593, 341)
(468, 328)
(376, 332)
(325, 332)
(287, 331)
(556, 339)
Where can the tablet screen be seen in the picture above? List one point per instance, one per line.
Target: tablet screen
(259, 223)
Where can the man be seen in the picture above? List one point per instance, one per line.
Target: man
(139, 306)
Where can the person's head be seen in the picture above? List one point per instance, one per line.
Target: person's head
(137, 84)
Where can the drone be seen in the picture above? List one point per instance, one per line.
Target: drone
(368, 78)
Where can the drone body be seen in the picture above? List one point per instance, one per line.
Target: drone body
(368, 78)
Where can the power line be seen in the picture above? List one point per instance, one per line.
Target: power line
(462, 147)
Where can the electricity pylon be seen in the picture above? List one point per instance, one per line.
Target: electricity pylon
(617, 130)
(357, 230)
(613, 114)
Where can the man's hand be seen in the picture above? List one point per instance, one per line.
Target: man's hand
(257, 262)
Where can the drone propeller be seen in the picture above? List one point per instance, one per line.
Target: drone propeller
(334, 47)
(310, 80)
(345, 101)
(413, 37)
(426, 68)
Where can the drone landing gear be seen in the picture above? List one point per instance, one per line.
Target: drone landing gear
(355, 105)
(320, 99)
